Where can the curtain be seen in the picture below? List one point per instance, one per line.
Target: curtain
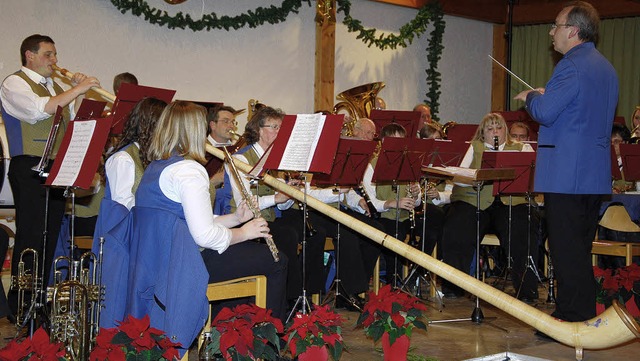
(533, 58)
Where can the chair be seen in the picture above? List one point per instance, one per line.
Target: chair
(235, 288)
(616, 218)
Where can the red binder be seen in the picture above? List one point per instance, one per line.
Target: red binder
(522, 162)
(128, 96)
(408, 119)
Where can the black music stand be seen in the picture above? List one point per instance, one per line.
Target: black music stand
(524, 165)
(477, 180)
(305, 143)
(350, 163)
(399, 161)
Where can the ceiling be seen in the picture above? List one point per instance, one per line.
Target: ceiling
(524, 11)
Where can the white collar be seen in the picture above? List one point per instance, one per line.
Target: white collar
(37, 78)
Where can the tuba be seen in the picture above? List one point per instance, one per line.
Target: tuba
(253, 106)
(358, 102)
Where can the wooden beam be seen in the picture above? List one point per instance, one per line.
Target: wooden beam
(323, 87)
(498, 75)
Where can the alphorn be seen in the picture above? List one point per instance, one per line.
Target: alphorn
(611, 328)
(67, 74)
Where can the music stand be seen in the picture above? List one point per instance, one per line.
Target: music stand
(524, 164)
(128, 96)
(630, 154)
(399, 160)
(409, 120)
(305, 143)
(476, 178)
(351, 160)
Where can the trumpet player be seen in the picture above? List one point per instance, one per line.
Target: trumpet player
(29, 100)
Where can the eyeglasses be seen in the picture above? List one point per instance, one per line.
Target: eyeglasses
(228, 121)
(554, 25)
(272, 126)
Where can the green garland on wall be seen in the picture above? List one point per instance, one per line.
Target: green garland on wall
(431, 12)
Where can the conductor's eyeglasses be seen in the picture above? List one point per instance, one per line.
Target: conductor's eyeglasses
(554, 25)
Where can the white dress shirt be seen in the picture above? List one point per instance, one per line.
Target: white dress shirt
(120, 170)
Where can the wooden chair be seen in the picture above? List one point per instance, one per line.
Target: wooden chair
(616, 218)
(235, 288)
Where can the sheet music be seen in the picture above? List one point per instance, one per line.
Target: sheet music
(303, 142)
(74, 157)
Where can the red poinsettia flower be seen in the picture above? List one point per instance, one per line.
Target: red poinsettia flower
(43, 349)
(140, 332)
(104, 349)
(331, 339)
(15, 350)
(319, 327)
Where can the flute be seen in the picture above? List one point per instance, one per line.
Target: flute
(246, 195)
(67, 74)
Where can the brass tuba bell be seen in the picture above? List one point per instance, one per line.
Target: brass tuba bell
(358, 102)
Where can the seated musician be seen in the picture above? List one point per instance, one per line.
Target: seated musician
(222, 127)
(122, 172)
(519, 131)
(620, 134)
(635, 123)
(173, 222)
(459, 233)
(389, 199)
(260, 132)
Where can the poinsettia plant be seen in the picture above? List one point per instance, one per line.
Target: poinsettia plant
(621, 284)
(246, 332)
(393, 312)
(134, 339)
(321, 327)
(37, 347)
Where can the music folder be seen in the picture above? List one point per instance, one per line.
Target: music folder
(90, 109)
(523, 164)
(79, 154)
(128, 96)
(305, 143)
(400, 159)
(630, 154)
(616, 173)
(445, 153)
(408, 119)
(349, 164)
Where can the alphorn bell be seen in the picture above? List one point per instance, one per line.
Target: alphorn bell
(611, 328)
(67, 74)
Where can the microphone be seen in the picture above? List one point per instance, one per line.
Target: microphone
(496, 145)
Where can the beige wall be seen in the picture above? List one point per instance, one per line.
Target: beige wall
(273, 63)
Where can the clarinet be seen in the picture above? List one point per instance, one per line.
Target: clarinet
(496, 145)
(246, 195)
(373, 212)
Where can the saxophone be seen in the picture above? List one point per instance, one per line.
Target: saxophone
(246, 195)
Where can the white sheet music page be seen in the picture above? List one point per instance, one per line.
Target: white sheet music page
(74, 157)
(303, 142)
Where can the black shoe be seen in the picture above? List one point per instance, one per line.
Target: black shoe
(452, 291)
(11, 318)
(530, 297)
(350, 303)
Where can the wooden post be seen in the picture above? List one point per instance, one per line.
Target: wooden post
(325, 55)
(498, 75)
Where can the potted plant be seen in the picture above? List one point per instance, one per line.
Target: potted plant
(391, 316)
(134, 339)
(315, 335)
(246, 332)
(37, 347)
(621, 284)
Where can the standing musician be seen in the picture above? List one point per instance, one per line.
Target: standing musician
(260, 132)
(384, 199)
(29, 100)
(459, 232)
(573, 169)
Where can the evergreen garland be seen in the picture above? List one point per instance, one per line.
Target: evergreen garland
(274, 15)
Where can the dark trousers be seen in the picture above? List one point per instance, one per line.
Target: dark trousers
(357, 255)
(314, 254)
(30, 199)
(4, 246)
(248, 259)
(287, 237)
(571, 222)
(459, 239)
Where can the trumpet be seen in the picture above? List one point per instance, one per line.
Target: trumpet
(246, 195)
(26, 281)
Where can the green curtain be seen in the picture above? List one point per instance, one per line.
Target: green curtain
(533, 58)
